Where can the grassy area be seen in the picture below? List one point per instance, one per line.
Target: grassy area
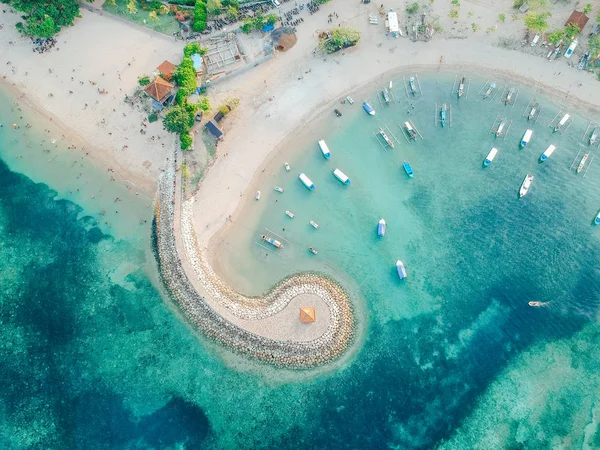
(165, 23)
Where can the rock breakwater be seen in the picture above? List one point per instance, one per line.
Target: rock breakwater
(283, 353)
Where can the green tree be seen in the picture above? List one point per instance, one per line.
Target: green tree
(587, 9)
(538, 23)
(152, 15)
(572, 30)
(200, 16)
(186, 141)
(271, 19)
(44, 29)
(556, 36)
(190, 49)
(131, 7)
(340, 38)
(453, 14)
(594, 44)
(412, 8)
(185, 74)
(204, 104)
(144, 80)
(44, 19)
(178, 120)
(232, 12)
(502, 17)
(214, 7)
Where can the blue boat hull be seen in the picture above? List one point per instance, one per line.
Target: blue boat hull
(368, 108)
(486, 163)
(523, 144)
(408, 170)
(597, 220)
(380, 230)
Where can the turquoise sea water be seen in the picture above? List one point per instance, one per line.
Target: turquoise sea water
(93, 356)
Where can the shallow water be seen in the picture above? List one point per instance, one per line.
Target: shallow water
(93, 356)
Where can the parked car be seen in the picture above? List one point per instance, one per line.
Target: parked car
(199, 116)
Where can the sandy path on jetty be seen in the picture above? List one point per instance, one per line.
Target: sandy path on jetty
(108, 128)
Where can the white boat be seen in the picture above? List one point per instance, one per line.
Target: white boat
(533, 111)
(386, 138)
(391, 84)
(582, 162)
(341, 176)
(287, 166)
(289, 214)
(570, 49)
(278, 189)
(509, 96)
(525, 185)
(381, 228)
(491, 87)
(410, 131)
(306, 181)
(349, 99)
(401, 270)
(595, 135)
(314, 224)
(386, 95)
(597, 219)
(461, 87)
(313, 250)
(257, 196)
(526, 138)
(500, 127)
(562, 122)
(536, 38)
(547, 153)
(273, 242)
(324, 149)
(369, 109)
(490, 157)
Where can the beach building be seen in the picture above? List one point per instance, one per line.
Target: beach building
(159, 91)
(307, 314)
(578, 19)
(392, 20)
(214, 129)
(166, 69)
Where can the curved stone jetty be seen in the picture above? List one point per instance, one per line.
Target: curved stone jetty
(283, 353)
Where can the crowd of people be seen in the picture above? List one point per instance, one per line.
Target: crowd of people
(43, 45)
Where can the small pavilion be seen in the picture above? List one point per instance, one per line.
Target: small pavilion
(307, 314)
(166, 69)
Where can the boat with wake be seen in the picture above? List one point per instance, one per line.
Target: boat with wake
(381, 228)
(584, 158)
(341, 176)
(274, 242)
(324, 149)
(537, 304)
(526, 185)
(386, 138)
(369, 109)
(526, 138)
(490, 157)
(401, 270)
(408, 169)
(306, 182)
(547, 153)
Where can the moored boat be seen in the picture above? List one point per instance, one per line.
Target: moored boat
(547, 153)
(273, 242)
(289, 214)
(410, 131)
(526, 185)
(582, 162)
(341, 176)
(391, 84)
(306, 181)
(278, 189)
(337, 112)
(401, 269)
(595, 135)
(533, 111)
(313, 250)
(324, 149)
(350, 100)
(491, 88)
(386, 138)
(526, 138)
(597, 219)
(369, 109)
(386, 95)
(287, 166)
(443, 115)
(381, 228)
(461, 87)
(314, 224)
(501, 127)
(257, 196)
(408, 169)
(562, 122)
(509, 96)
(490, 157)
(411, 84)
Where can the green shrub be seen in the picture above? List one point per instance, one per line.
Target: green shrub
(556, 36)
(153, 117)
(204, 104)
(412, 8)
(453, 14)
(475, 27)
(144, 80)
(186, 141)
(340, 38)
(588, 8)
(518, 3)
(572, 30)
(502, 17)
(178, 119)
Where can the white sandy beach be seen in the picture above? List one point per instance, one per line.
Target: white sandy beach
(277, 98)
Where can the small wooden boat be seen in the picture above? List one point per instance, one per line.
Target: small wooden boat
(584, 158)
(386, 96)
(337, 112)
(287, 166)
(526, 185)
(561, 123)
(401, 270)
(350, 100)
(391, 84)
(278, 189)
(526, 138)
(501, 127)
(289, 214)
(533, 111)
(369, 109)
(381, 228)
(461, 87)
(595, 135)
(306, 182)
(314, 224)
(257, 196)
(490, 157)
(411, 85)
(443, 115)
(410, 131)
(536, 304)
(490, 89)
(273, 242)
(509, 96)
(386, 138)
(313, 250)
(547, 153)
(341, 176)
(408, 169)
(324, 149)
